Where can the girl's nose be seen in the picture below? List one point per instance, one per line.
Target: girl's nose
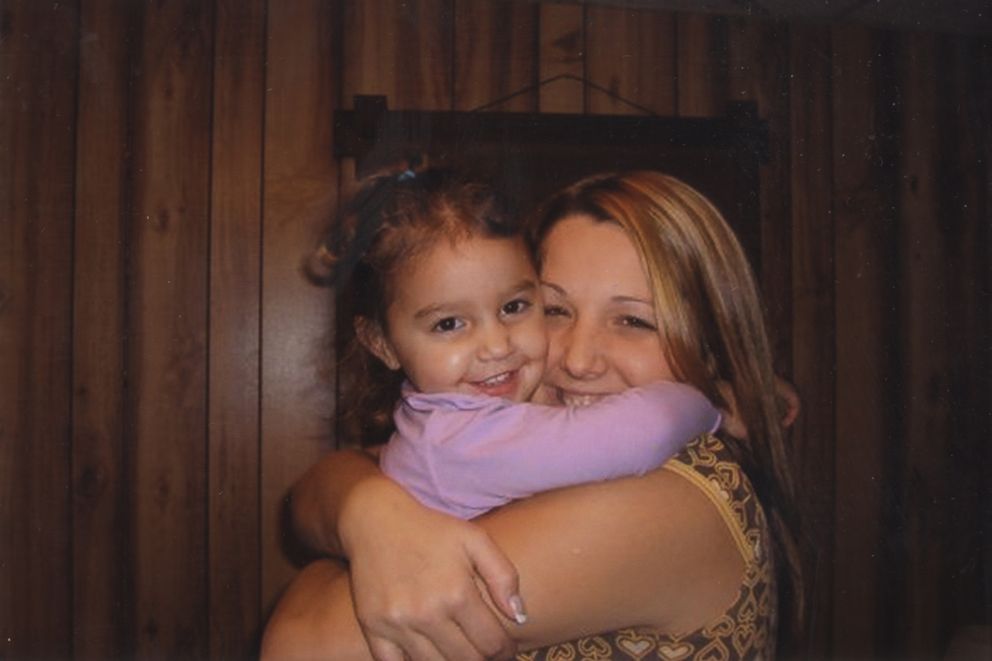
(495, 342)
(582, 356)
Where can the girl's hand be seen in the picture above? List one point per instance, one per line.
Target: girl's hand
(732, 422)
(421, 579)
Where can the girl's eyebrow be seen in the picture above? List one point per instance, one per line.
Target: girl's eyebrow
(428, 310)
(557, 288)
(523, 285)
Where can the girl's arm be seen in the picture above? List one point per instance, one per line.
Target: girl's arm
(651, 550)
(467, 461)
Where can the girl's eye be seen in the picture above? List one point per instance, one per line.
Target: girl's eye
(447, 325)
(555, 311)
(630, 321)
(516, 306)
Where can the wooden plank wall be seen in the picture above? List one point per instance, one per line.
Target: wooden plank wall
(164, 167)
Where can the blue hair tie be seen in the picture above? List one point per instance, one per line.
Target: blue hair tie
(406, 174)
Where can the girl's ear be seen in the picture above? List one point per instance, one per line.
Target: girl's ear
(374, 340)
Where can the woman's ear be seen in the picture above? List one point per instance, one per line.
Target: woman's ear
(372, 337)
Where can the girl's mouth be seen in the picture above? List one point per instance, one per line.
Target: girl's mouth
(503, 384)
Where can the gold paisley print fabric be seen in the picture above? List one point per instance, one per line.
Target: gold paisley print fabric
(746, 631)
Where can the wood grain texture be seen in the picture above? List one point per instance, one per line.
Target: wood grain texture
(967, 148)
(494, 54)
(925, 345)
(299, 193)
(235, 290)
(813, 342)
(964, 116)
(561, 50)
(632, 53)
(167, 326)
(101, 499)
(165, 319)
(400, 46)
(38, 63)
(758, 71)
(864, 238)
(702, 62)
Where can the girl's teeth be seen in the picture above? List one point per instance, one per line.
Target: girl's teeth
(496, 380)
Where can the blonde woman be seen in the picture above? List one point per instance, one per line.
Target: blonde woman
(642, 281)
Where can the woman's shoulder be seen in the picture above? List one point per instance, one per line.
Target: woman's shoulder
(603, 555)
(717, 498)
(708, 463)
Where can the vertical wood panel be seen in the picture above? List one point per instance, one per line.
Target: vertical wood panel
(235, 285)
(864, 240)
(38, 64)
(494, 44)
(925, 348)
(965, 121)
(101, 561)
(168, 328)
(702, 63)
(631, 53)
(300, 187)
(813, 306)
(400, 48)
(561, 50)
(758, 71)
(968, 118)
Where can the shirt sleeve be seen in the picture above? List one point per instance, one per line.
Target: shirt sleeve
(513, 450)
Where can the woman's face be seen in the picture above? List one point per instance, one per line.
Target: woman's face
(602, 325)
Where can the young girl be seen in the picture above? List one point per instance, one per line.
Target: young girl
(449, 344)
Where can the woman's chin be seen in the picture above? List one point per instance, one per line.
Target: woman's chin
(547, 394)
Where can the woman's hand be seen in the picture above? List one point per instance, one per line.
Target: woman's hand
(419, 578)
(422, 581)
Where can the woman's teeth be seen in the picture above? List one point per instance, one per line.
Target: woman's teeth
(572, 399)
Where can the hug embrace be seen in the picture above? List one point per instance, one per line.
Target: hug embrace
(575, 435)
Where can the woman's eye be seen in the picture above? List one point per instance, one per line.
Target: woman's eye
(516, 306)
(447, 325)
(555, 311)
(630, 321)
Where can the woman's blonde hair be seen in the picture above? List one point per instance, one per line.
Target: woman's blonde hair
(712, 329)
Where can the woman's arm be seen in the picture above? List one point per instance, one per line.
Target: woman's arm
(318, 497)
(650, 550)
(420, 574)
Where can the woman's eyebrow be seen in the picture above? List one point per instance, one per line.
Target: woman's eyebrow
(632, 299)
(550, 285)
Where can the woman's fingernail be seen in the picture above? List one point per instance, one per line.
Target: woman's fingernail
(517, 604)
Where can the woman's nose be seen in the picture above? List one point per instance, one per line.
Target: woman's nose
(582, 356)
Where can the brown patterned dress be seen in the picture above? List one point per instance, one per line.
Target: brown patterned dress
(747, 629)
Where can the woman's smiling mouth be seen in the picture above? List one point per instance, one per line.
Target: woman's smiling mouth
(578, 399)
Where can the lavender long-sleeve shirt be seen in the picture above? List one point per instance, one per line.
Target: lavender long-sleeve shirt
(466, 454)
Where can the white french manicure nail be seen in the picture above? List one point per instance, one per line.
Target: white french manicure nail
(517, 605)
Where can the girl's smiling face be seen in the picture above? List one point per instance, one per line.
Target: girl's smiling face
(466, 317)
(602, 325)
